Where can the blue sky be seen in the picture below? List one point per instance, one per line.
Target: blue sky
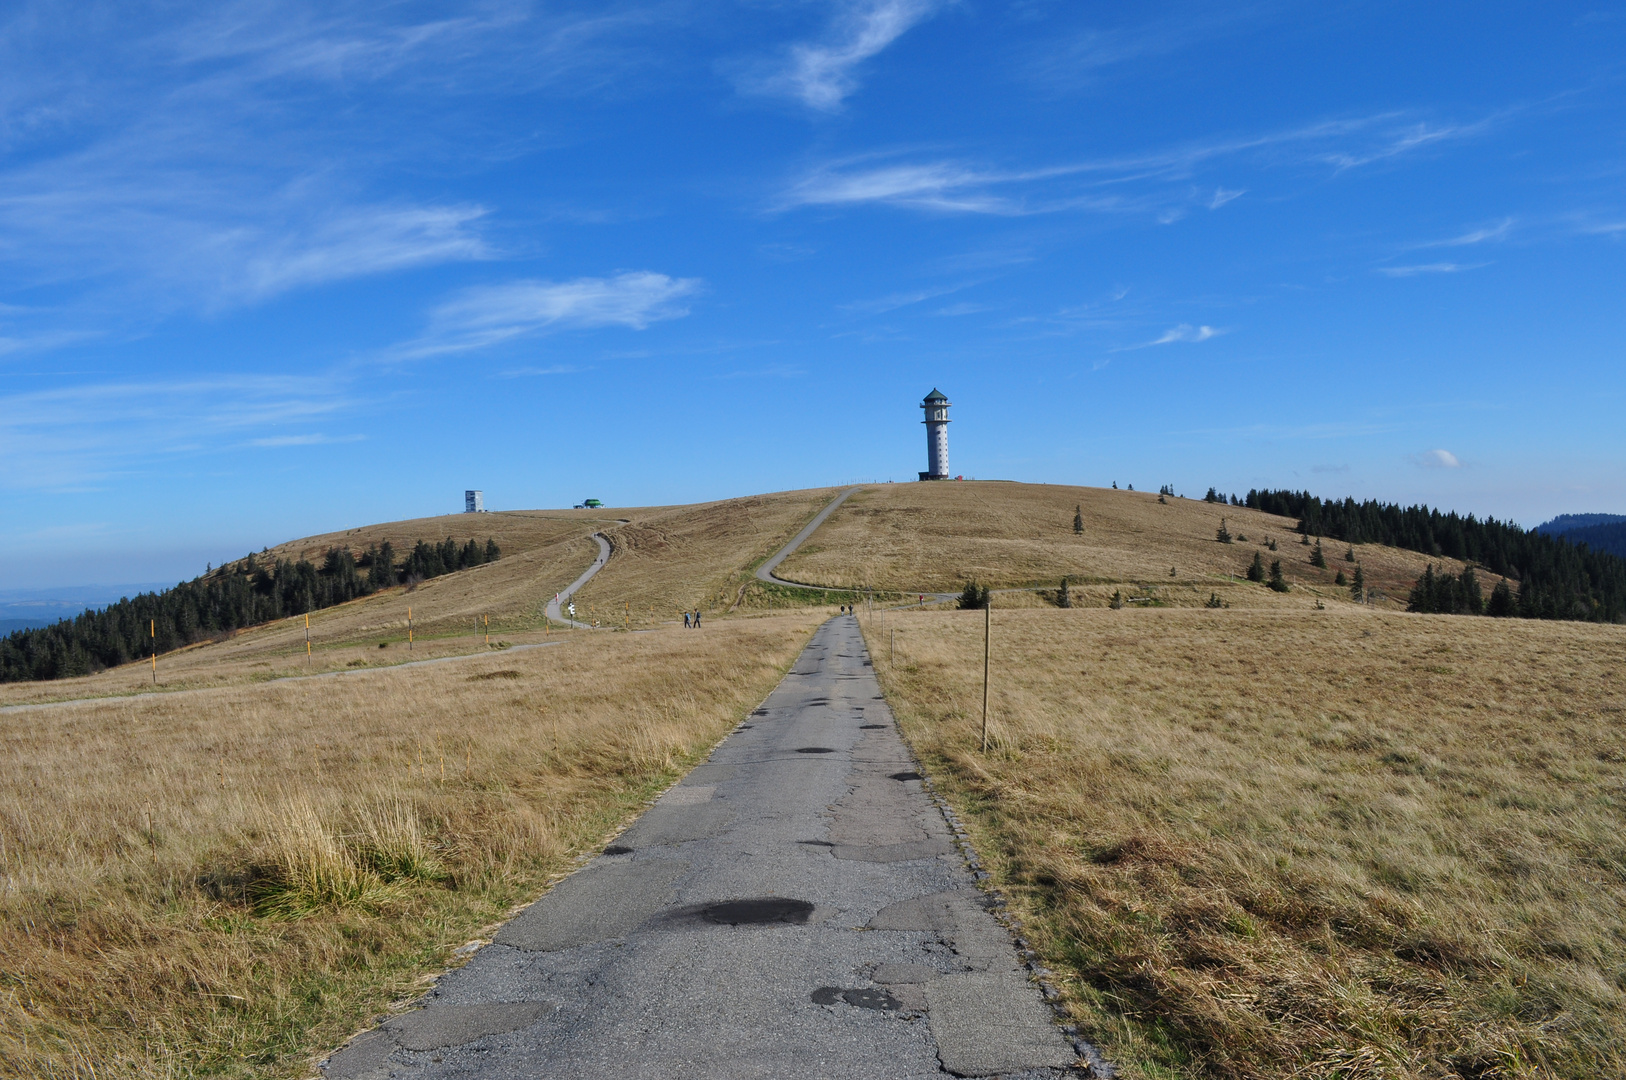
(276, 268)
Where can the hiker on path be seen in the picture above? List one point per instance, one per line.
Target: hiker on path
(685, 620)
(697, 618)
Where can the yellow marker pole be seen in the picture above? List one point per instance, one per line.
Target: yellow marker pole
(152, 632)
(307, 640)
(409, 629)
(488, 628)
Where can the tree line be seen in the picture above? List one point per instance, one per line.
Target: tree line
(236, 595)
(1555, 579)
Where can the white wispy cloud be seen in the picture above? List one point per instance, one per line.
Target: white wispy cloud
(488, 315)
(1412, 137)
(83, 434)
(1499, 231)
(1185, 332)
(1085, 57)
(1427, 268)
(551, 369)
(41, 342)
(312, 439)
(1437, 459)
(893, 301)
(1158, 183)
(823, 75)
(163, 157)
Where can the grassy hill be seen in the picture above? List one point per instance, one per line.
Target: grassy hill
(1299, 837)
(936, 537)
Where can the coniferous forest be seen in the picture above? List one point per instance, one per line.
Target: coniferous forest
(1550, 577)
(240, 594)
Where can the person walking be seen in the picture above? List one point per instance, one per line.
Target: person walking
(685, 620)
(697, 618)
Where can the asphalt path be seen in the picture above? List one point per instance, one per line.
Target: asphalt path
(554, 605)
(795, 907)
(765, 572)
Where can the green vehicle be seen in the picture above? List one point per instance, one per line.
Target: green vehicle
(592, 504)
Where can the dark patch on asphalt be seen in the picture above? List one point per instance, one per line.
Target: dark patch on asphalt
(905, 776)
(759, 712)
(814, 750)
(747, 727)
(758, 912)
(870, 727)
(816, 843)
(618, 849)
(817, 701)
(863, 999)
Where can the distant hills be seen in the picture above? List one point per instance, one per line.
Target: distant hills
(1600, 532)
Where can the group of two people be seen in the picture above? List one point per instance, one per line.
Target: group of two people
(691, 619)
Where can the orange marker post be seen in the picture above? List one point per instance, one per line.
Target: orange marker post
(409, 629)
(307, 640)
(152, 632)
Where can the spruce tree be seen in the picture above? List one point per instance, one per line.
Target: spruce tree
(1502, 604)
(1349, 556)
(1117, 599)
(973, 597)
(1316, 557)
(1340, 579)
(1277, 583)
(1357, 588)
(1078, 521)
(1256, 570)
(1224, 534)
(1063, 599)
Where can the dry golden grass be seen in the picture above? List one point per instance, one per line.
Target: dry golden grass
(227, 882)
(1340, 844)
(695, 556)
(937, 536)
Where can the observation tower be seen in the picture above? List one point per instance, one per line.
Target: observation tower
(937, 422)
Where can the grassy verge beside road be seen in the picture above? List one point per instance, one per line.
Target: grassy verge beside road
(1319, 844)
(229, 882)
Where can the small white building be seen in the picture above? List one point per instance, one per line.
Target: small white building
(474, 502)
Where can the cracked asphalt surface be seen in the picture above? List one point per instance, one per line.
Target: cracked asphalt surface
(790, 909)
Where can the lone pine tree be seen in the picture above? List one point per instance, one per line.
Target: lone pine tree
(1277, 583)
(1357, 588)
(1223, 535)
(1256, 570)
(1078, 521)
(1063, 599)
(1316, 557)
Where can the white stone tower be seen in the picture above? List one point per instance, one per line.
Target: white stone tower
(937, 422)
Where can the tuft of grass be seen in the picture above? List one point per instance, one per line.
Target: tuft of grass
(309, 868)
